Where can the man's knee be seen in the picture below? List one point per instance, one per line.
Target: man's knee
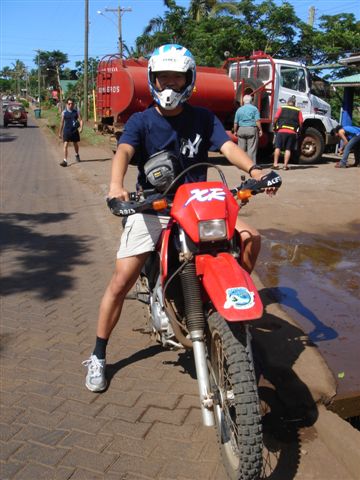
(119, 283)
(250, 235)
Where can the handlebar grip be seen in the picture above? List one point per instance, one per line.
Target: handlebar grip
(272, 179)
(122, 208)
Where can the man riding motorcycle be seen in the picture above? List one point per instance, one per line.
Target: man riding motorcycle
(189, 132)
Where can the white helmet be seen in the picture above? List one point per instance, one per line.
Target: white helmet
(171, 58)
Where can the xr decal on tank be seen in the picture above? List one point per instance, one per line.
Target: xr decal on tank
(206, 195)
(239, 298)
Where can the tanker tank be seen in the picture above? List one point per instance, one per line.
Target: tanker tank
(122, 89)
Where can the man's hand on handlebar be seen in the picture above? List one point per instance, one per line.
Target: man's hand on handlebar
(258, 175)
(118, 192)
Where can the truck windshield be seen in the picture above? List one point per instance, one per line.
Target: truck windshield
(293, 78)
(243, 72)
(262, 72)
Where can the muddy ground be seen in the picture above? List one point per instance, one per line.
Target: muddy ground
(310, 261)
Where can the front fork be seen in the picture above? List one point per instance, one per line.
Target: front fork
(195, 322)
(202, 373)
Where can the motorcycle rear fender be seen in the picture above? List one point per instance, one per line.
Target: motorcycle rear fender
(229, 287)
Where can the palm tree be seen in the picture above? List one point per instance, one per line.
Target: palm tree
(7, 73)
(161, 29)
(19, 72)
(203, 8)
(155, 25)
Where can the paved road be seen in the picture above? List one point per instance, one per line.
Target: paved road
(58, 247)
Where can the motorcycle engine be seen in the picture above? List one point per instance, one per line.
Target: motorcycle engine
(161, 321)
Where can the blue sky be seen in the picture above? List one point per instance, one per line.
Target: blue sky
(28, 25)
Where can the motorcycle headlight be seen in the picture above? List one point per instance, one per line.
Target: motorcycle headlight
(211, 230)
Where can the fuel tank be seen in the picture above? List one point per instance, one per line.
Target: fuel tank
(122, 89)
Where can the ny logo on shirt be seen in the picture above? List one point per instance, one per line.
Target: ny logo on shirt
(190, 147)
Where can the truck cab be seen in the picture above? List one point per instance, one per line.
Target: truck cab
(271, 82)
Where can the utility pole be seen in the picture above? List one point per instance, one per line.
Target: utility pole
(120, 11)
(58, 80)
(120, 32)
(27, 83)
(311, 18)
(39, 78)
(86, 113)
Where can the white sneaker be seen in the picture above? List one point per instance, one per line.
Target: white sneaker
(95, 378)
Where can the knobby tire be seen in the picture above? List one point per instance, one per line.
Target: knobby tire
(237, 405)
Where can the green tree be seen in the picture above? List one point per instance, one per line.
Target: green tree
(51, 63)
(209, 28)
(7, 73)
(15, 77)
(338, 34)
(335, 36)
(19, 73)
(92, 71)
(200, 9)
(160, 31)
(7, 80)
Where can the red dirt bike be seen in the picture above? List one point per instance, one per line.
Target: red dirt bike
(200, 297)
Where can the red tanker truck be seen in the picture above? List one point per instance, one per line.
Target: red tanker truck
(122, 89)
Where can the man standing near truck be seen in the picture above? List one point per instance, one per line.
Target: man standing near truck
(287, 123)
(350, 137)
(247, 127)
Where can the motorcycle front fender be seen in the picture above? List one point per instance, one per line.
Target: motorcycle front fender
(229, 287)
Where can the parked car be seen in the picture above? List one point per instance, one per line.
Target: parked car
(15, 113)
(4, 104)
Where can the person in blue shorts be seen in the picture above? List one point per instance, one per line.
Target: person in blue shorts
(350, 139)
(173, 125)
(70, 128)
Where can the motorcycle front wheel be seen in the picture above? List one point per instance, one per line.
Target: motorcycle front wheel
(236, 400)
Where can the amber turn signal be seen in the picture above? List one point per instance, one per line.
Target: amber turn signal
(160, 204)
(243, 194)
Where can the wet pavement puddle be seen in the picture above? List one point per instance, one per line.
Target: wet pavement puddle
(317, 282)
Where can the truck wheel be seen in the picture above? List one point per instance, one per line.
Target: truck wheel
(312, 146)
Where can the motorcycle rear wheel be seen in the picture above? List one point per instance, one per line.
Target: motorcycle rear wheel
(236, 405)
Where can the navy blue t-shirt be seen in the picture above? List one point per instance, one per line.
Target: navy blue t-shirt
(70, 117)
(190, 135)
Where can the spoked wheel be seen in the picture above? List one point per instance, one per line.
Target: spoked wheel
(236, 405)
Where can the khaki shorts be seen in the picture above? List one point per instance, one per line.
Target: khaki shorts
(141, 234)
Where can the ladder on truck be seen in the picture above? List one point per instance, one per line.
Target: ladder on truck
(262, 91)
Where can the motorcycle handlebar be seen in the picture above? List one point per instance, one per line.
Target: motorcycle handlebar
(123, 208)
(270, 180)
